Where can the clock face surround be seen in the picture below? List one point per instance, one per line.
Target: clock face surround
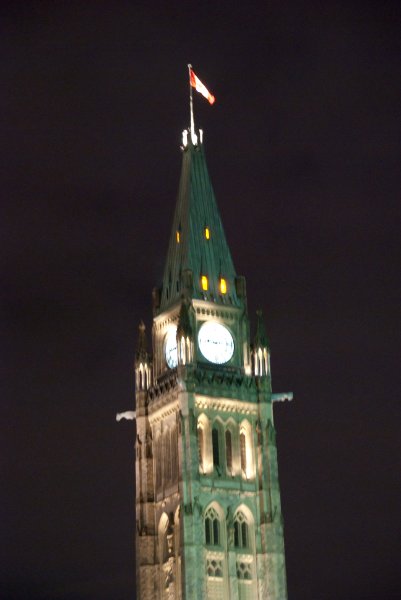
(215, 342)
(170, 348)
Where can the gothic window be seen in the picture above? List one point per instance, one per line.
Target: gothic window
(201, 442)
(214, 568)
(204, 283)
(167, 456)
(216, 584)
(244, 570)
(158, 462)
(242, 442)
(212, 527)
(205, 453)
(246, 450)
(162, 539)
(229, 450)
(174, 454)
(241, 531)
(215, 445)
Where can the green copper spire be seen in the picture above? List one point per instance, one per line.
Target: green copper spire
(199, 263)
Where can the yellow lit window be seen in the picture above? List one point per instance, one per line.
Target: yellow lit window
(223, 285)
(207, 233)
(204, 283)
(177, 236)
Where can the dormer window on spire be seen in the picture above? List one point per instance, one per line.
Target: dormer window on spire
(178, 236)
(204, 283)
(207, 233)
(223, 285)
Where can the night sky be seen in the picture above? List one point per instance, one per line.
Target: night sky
(303, 150)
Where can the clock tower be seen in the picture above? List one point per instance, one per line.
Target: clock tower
(208, 514)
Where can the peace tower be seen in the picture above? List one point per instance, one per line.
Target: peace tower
(208, 514)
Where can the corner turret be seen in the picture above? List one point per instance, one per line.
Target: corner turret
(143, 365)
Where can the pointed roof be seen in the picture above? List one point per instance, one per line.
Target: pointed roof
(191, 247)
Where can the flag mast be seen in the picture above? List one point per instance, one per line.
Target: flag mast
(191, 106)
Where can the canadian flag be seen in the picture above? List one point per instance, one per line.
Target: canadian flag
(198, 85)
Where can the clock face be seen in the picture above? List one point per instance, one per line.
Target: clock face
(170, 348)
(215, 342)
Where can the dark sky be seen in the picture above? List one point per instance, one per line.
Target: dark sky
(303, 150)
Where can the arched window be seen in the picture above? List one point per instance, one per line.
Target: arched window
(205, 451)
(241, 531)
(242, 443)
(247, 450)
(158, 462)
(215, 445)
(162, 538)
(201, 442)
(229, 451)
(167, 456)
(212, 527)
(244, 541)
(244, 572)
(174, 454)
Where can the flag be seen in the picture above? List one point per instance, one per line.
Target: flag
(198, 85)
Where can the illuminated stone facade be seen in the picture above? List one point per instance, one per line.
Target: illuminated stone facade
(208, 513)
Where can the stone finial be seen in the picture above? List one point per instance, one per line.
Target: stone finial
(184, 327)
(261, 340)
(141, 352)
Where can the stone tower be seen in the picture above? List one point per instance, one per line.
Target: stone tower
(208, 515)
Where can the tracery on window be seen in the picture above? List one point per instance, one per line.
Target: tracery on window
(214, 567)
(212, 527)
(244, 570)
(241, 531)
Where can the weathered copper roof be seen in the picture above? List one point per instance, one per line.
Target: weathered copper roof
(189, 250)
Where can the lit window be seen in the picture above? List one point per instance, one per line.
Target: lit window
(242, 443)
(204, 283)
(241, 531)
(223, 285)
(229, 451)
(200, 445)
(207, 233)
(177, 236)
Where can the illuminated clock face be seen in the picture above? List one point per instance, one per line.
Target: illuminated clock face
(215, 342)
(170, 348)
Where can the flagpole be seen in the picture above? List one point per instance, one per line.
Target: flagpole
(191, 105)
